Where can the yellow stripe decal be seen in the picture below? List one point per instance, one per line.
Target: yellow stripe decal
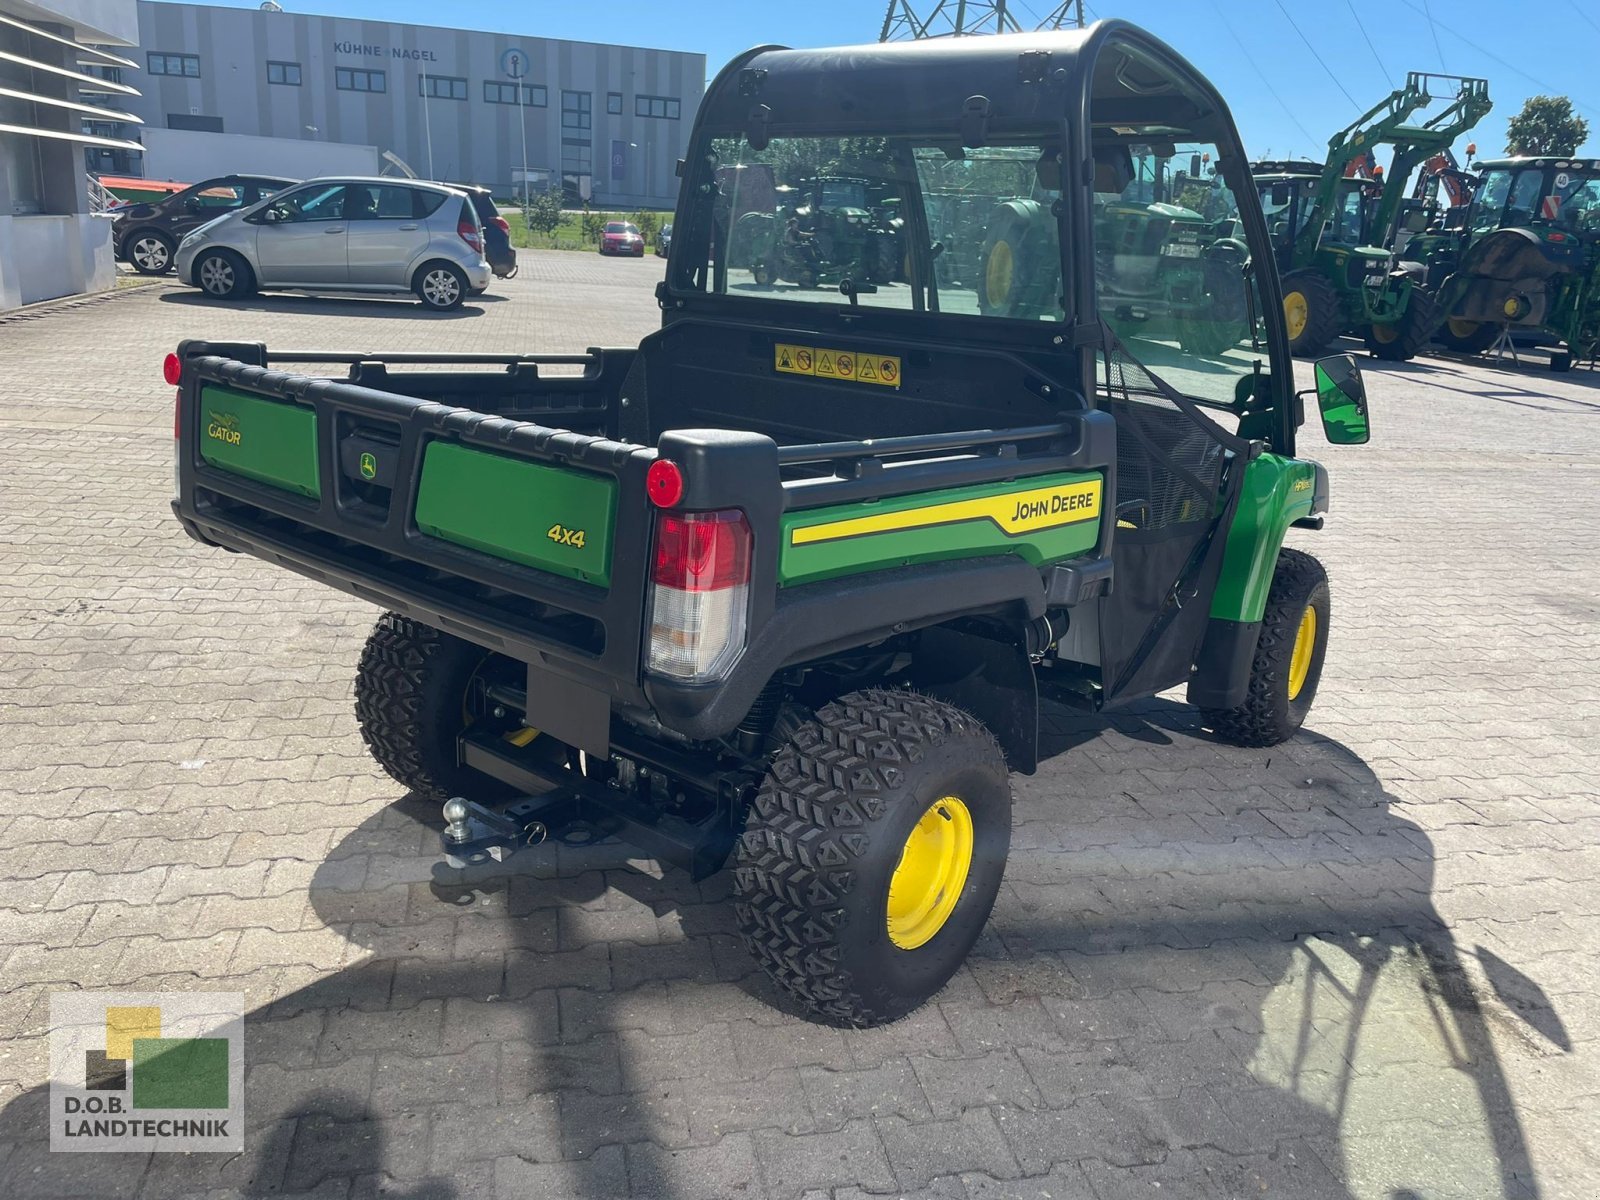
(1014, 512)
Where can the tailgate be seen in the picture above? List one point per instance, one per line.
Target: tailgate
(503, 530)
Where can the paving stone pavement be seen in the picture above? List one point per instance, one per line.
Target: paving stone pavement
(1358, 965)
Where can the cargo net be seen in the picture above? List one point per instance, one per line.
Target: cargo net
(1170, 455)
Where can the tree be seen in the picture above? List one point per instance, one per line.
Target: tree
(544, 214)
(593, 223)
(1546, 125)
(646, 222)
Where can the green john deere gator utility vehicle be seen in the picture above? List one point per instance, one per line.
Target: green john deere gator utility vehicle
(1333, 231)
(783, 585)
(1528, 258)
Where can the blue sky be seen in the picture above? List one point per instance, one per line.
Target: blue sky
(1284, 100)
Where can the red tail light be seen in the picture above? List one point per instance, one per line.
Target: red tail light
(470, 234)
(700, 597)
(503, 225)
(664, 483)
(702, 552)
(172, 369)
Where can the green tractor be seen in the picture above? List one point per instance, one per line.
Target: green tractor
(844, 227)
(1333, 229)
(1168, 254)
(1528, 259)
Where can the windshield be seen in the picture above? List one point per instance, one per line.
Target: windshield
(880, 222)
(1552, 197)
(620, 227)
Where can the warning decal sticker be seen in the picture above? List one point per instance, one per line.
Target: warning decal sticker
(828, 363)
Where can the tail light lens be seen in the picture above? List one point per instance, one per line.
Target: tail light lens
(467, 230)
(699, 595)
(503, 225)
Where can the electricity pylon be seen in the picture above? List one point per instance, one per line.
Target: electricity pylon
(908, 21)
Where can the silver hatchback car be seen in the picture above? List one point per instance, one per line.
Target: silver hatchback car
(344, 235)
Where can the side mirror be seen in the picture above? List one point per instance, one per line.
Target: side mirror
(1342, 400)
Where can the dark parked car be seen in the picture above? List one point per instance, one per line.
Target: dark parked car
(147, 235)
(497, 246)
(664, 240)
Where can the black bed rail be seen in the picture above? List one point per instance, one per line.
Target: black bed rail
(877, 467)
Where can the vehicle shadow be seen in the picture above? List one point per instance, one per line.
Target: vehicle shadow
(1217, 965)
(289, 303)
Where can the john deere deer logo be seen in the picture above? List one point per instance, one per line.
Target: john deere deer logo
(369, 465)
(224, 427)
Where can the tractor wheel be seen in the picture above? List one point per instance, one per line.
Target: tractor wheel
(1310, 312)
(1405, 338)
(1225, 321)
(1012, 281)
(1288, 661)
(1466, 337)
(873, 853)
(761, 271)
(412, 700)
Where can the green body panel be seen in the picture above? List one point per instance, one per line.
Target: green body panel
(1277, 492)
(525, 512)
(265, 440)
(961, 532)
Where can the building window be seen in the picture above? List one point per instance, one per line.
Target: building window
(195, 122)
(656, 106)
(576, 112)
(442, 87)
(534, 95)
(614, 103)
(187, 65)
(352, 79)
(283, 72)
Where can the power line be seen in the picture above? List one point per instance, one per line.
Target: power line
(1427, 10)
(1351, 5)
(1581, 13)
(1492, 56)
(1265, 82)
(1315, 54)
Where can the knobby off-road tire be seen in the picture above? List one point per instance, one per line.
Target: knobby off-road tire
(411, 690)
(844, 795)
(1282, 682)
(1405, 339)
(1466, 337)
(1320, 326)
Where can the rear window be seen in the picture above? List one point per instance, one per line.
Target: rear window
(483, 203)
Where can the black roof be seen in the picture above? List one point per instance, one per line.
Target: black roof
(1027, 78)
(1287, 167)
(1546, 160)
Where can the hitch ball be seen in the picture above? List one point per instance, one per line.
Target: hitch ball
(456, 813)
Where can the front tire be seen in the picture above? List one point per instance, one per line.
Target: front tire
(1310, 311)
(1404, 340)
(1466, 337)
(873, 853)
(412, 689)
(150, 252)
(223, 275)
(440, 286)
(1288, 661)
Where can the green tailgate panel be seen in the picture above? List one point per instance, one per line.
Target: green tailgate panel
(1041, 520)
(260, 439)
(526, 512)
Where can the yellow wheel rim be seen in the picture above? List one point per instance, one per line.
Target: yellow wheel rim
(997, 273)
(1512, 307)
(1296, 312)
(927, 883)
(1305, 643)
(1462, 329)
(1385, 334)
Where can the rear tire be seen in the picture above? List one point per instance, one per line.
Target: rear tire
(150, 252)
(1466, 337)
(874, 781)
(1282, 682)
(223, 275)
(1011, 280)
(440, 286)
(411, 694)
(1311, 312)
(1404, 339)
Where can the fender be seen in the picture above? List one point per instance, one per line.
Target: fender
(1277, 492)
(991, 678)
